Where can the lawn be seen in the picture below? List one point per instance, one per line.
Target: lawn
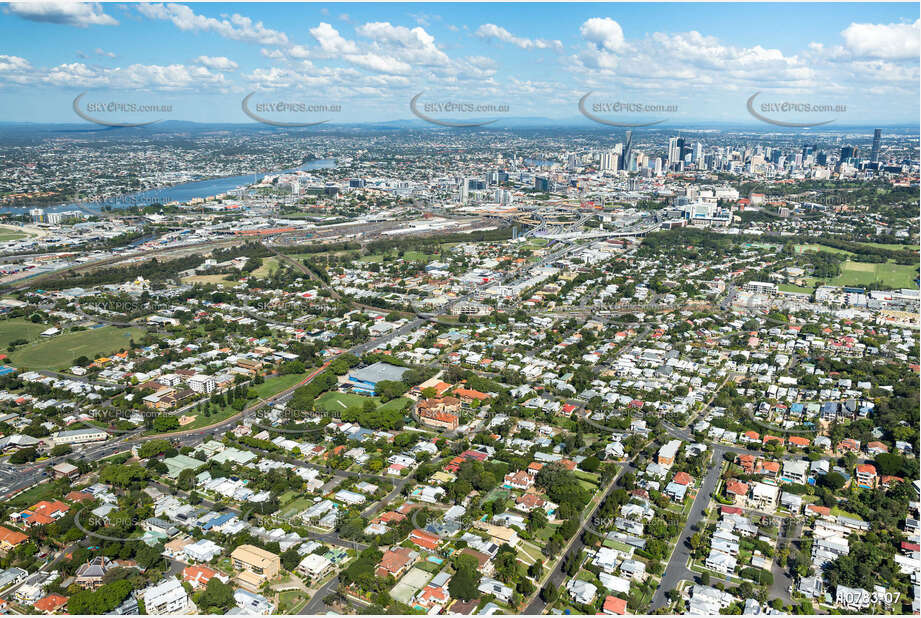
(889, 274)
(19, 328)
(42, 491)
(336, 402)
(274, 385)
(841, 512)
(399, 404)
(894, 247)
(789, 287)
(814, 247)
(60, 351)
(295, 507)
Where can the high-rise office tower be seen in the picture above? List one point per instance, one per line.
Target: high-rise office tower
(628, 144)
(874, 153)
(672, 151)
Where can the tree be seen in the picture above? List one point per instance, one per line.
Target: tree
(831, 480)
(590, 464)
(290, 559)
(217, 594)
(464, 583)
(165, 423)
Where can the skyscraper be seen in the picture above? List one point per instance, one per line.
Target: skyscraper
(625, 159)
(673, 152)
(874, 153)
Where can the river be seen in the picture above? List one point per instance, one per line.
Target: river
(178, 193)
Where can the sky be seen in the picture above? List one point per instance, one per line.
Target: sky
(366, 61)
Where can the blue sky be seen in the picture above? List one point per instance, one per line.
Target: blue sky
(370, 59)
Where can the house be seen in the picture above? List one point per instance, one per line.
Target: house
(496, 588)
(848, 445)
(633, 569)
(721, 562)
(866, 476)
(764, 495)
(198, 575)
(315, 566)
(11, 538)
(395, 561)
(791, 502)
(795, 472)
(424, 539)
(166, 597)
(519, 480)
(251, 603)
(50, 604)
(676, 491)
(614, 606)
(435, 594)
(667, 453)
(89, 575)
(529, 502)
(737, 490)
(581, 591)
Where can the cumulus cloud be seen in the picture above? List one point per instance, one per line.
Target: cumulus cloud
(379, 63)
(331, 41)
(174, 77)
(80, 14)
(492, 32)
(217, 63)
(410, 45)
(236, 27)
(889, 41)
(604, 33)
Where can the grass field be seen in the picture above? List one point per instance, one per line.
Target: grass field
(336, 402)
(11, 232)
(804, 248)
(208, 280)
(61, 351)
(789, 287)
(273, 386)
(269, 265)
(890, 274)
(8, 234)
(409, 256)
(19, 328)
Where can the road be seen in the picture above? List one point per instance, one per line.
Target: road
(316, 606)
(676, 570)
(575, 547)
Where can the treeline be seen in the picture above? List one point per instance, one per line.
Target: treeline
(386, 245)
(154, 269)
(900, 256)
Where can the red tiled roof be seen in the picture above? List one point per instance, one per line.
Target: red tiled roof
(50, 603)
(615, 605)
